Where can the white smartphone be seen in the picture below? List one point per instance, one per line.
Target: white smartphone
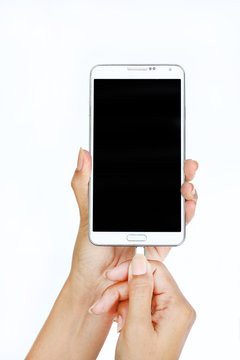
(137, 144)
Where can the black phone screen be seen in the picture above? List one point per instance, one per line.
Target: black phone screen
(137, 155)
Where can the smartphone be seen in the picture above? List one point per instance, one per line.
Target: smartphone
(137, 144)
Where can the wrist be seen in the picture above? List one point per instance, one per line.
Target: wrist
(69, 325)
(84, 290)
(89, 326)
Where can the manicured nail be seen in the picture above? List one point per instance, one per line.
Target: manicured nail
(105, 274)
(80, 159)
(90, 309)
(116, 272)
(119, 323)
(196, 164)
(138, 265)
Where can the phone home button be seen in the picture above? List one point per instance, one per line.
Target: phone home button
(136, 237)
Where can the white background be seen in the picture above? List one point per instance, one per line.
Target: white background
(46, 51)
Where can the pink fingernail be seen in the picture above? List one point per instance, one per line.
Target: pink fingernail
(80, 159)
(139, 265)
(90, 309)
(114, 273)
(111, 272)
(105, 274)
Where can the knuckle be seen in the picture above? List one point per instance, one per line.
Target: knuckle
(192, 314)
(162, 266)
(188, 312)
(76, 180)
(112, 293)
(108, 292)
(73, 181)
(161, 270)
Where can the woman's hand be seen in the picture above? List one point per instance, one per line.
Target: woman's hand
(90, 263)
(158, 318)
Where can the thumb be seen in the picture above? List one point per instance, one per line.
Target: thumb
(80, 183)
(140, 284)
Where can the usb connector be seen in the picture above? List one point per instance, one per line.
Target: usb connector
(140, 250)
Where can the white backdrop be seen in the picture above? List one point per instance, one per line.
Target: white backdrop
(47, 48)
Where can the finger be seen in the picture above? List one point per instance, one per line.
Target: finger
(190, 167)
(118, 273)
(140, 284)
(157, 253)
(122, 312)
(80, 182)
(189, 192)
(110, 298)
(169, 303)
(159, 304)
(190, 207)
(120, 291)
(164, 283)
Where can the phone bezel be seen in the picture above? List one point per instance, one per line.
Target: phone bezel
(137, 72)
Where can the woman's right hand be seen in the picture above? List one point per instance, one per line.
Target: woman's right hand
(158, 318)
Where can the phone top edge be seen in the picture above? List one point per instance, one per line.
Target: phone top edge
(137, 65)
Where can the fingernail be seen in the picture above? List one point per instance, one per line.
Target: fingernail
(114, 273)
(105, 274)
(90, 309)
(138, 265)
(80, 159)
(193, 191)
(119, 323)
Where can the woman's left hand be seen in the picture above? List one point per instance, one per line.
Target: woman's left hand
(90, 263)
